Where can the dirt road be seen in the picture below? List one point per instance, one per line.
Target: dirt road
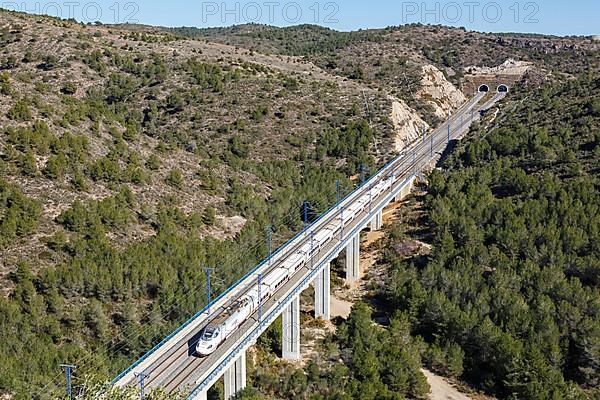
(441, 389)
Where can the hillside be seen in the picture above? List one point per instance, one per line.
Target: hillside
(489, 275)
(509, 297)
(152, 112)
(382, 57)
(134, 156)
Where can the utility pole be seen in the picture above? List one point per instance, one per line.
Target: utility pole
(68, 370)
(208, 272)
(269, 231)
(362, 173)
(370, 199)
(414, 161)
(259, 280)
(342, 222)
(431, 155)
(449, 126)
(142, 378)
(312, 249)
(305, 214)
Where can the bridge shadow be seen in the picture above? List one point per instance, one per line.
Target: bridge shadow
(409, 247)
(447, 151)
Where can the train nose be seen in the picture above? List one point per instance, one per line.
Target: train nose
(205, 348)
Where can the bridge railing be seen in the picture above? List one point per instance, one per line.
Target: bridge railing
(265, 263)
(261, 326)
(348, 198)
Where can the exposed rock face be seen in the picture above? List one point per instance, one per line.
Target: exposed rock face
(509, 72)
(230, 226)
(408, 125)
(440, 93)
(509, 67)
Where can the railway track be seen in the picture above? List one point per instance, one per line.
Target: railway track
(174, 366)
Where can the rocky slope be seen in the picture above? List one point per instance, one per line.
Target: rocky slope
(132, 155)
(437, 91)
(180, 103)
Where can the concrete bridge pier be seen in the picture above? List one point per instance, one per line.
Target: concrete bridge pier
(323, 293)
(377, 221)
(235, 377)
(353, 259)
(405, 191)
(290, 342)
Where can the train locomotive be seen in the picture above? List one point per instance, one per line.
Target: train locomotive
(229, 320)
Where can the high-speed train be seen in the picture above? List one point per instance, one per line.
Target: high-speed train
(225, 323)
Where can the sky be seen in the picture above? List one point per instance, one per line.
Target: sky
(575, 17)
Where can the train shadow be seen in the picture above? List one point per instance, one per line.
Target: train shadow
(192, 344)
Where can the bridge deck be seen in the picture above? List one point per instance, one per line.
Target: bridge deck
(173, 365)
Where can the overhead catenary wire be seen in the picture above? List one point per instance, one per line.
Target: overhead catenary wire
(239, 256)
(405, 167)
(260, 243)
(246, 286)
(235, 259)
(142, 328)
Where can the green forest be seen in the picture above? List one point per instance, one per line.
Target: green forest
(122, 158)
(45, 320)
(103, 302)
(512, 284)
(509, 298)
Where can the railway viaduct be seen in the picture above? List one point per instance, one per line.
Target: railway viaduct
(172, 364)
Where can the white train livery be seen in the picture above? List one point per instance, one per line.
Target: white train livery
(225, 323)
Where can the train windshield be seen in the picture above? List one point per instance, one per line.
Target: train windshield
(210, 333)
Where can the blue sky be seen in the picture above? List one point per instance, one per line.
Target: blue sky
(575, 17)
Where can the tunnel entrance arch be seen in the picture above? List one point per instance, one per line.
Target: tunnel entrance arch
(503, 89)
(483, 89)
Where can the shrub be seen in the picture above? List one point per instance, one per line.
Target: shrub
(210, 181)
(28, 57)
(175, 102)
(291, 83)
(69, 88)
(175, 179)
(237, 147)
(112, 212)
(9, 62)
(153, 162)
(49, 62)
(209, 217)
(20, 111)
(19, 215)
(79, 182)
(5, 87)
(29, 164)
(119, 87)
(56, 166)
(105, 169)
(131, 132)
(446, 360)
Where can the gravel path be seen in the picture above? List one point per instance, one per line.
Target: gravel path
(441, 389)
